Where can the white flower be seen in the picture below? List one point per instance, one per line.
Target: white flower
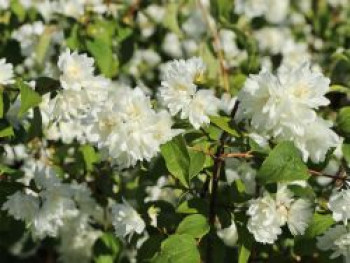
(316, 142)
(67, 114)
(146, 25)
(203, 104)
(272, 39)
(337, 239)
(233, 55)
(160, 191)
(172, 46)
(176, 94)
(22, 206)
(44, 175)
(339, 204)
(77, 70)
(261, 100)
(326, 241)
(28, 37)
(6, 72)
(77, 238)
(81, 194)
(71, 8)
(142, 58)
(295, 53)
(236, 169)
(338, 3)
(47, 8)
(179, 92)
(156, 12)
(57, 206)
(195, 25)
(229, 235)
(299, 216)
(4, 4)
(126, 220)
(268, 215)
(251, 8)
(283, 107)
(264, 220)
(275, 11)
(130, 130)
(296, 213)
(305, 86)
(227, 102)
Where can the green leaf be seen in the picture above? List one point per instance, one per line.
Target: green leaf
(210, 60)
(18, 10)
(90, 156)
(104, 259)
(102, 52)
(7, 189)
(35, 128)
(339, 88)
(303, 192)
(346, 152)
(123, 33)
(319, 224)
(6, 130)
(44, 85)
(194, 225)
(103, 30)
(7, 170)
(224, 123)
(244, 253)
(178, 249)
(197, 161)
(29, 98)
(177, 159)
(237, 82)
(1, 103)
(343, 120)
(171, 19)
(149, 248)
(107, 248)
(43, 45)
(73, 40)
(193, 206)
(282, 165)
(221, 9)
(246, 241)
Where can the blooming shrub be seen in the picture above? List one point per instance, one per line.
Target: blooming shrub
(174, 131)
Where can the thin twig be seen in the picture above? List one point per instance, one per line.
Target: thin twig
(338, 176)
(237, 155)
(218, 163)
(217, 45)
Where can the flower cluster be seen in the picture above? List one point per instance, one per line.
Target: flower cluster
(180, 94)
(129, 128)
(283, 107)
(267, 215)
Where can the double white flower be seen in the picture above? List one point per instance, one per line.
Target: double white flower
(283, 107)
(268, 215)
(179, 92)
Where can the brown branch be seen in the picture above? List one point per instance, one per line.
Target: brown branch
(218, 163)
(222, 156)
(217, 45)
(129, 16)
(340, 175)
(237, 155)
